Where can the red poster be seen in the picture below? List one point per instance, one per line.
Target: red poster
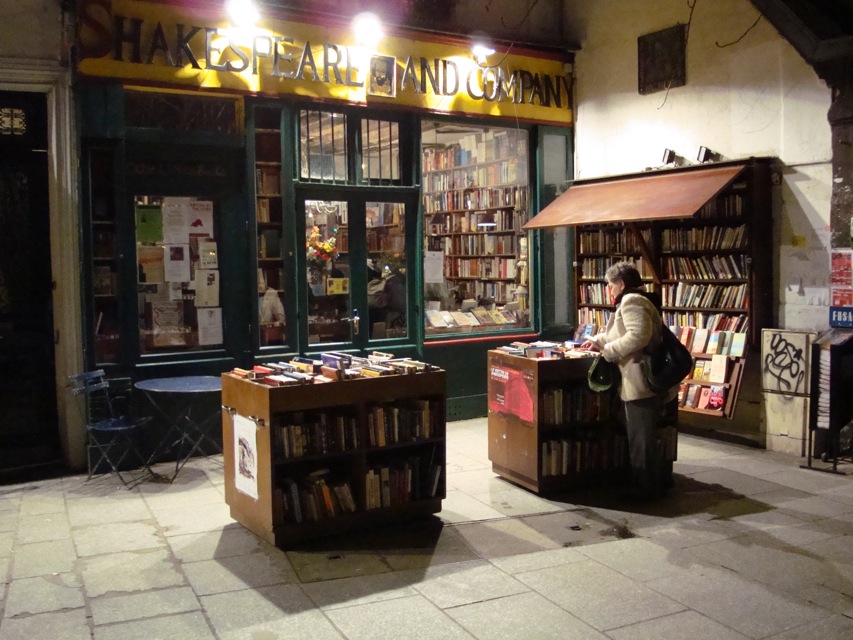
(509, 393)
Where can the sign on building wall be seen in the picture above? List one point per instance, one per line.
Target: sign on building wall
(841, 288)
(195, 47)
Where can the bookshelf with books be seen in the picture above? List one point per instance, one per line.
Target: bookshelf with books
(104, 270)
(711, 269)
(547, 431)
(269, 224)
(476, 199)
(331, 457)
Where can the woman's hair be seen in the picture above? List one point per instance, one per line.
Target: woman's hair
(626, 272)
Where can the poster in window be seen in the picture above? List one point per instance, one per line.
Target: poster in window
(176, 226)
(201, 218)
(177, 263)
(210, 326)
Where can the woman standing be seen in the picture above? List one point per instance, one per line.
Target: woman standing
(635, 325)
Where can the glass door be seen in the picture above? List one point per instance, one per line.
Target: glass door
(358, 278)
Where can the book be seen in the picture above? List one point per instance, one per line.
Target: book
(724, 342)
(682, 393)
(717, 397)
(685, 336)
(435, 319)
(692, 397)
(713, 340)
(719, 368)
(706, 370)
(704, 398)
(700, 341)
(738, 345)
(698, 369)
(483, 316)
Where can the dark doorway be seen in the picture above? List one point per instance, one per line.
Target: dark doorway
(29, 434)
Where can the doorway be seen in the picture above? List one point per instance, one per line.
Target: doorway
(29, 432)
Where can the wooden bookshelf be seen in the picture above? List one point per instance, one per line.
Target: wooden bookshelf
(711, 270)
(334, 431)
(268, 217)
(104, 266)
(476, 199)
(548, 432)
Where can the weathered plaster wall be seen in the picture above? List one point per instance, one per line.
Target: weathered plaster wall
(30, 29)
(756, 97)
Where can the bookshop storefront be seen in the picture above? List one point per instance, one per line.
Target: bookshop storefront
(254, 193)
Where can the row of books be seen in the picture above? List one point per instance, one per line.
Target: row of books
(480, 244)
(482, 198)
(697, 396)
(704, 238)
(329, 367)
(391, 486)
(299, 434)
(597, 267)
(268, 181)
(713, 321)
(708, 267)
(474, 148)
(572, 405)
(714, 370)
(610, 240)
(479, 316)
(506, 219)
(701, 340)
(509, 172)
(315, 497)
(479, 267)
(413, 420)
(705, 296)
(500, 291)
(729, 205)
(592, 451)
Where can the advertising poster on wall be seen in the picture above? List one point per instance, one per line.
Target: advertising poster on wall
(841, 288)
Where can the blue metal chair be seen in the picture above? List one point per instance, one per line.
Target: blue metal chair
(113, 435)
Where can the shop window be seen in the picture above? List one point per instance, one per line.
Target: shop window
(323, 146)
(380, 151)
(328, 271)
(178, 112)
(476, 199)
(178, 274)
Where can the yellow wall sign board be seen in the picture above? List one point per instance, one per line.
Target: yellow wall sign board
(337, 286)
(196, 47)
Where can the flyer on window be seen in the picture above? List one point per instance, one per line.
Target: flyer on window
(210, 325)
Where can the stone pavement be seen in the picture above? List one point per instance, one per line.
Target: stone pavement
(747, 545)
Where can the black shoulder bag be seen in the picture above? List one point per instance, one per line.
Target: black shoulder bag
(668, 365)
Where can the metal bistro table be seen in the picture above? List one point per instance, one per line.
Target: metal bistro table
(176, 399)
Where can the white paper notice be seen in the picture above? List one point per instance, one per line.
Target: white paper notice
(207, 288)
(434, 267)
(201, 218)
(177, 263)
(208, 258)
(210, 325)
(176, 226)
(245, 456)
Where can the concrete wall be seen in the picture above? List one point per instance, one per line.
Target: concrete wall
(756, 97)
(31, 30)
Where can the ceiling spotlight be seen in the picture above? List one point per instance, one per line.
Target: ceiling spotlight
(481, 52)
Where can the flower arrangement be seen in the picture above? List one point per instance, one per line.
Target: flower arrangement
(320, 253)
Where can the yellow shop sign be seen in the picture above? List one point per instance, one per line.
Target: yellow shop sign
(195, 46)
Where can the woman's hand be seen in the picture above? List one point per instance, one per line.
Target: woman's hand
(588, 345)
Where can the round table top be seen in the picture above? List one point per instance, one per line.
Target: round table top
(181, 384)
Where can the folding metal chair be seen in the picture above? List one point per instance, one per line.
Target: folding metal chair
(113, 435)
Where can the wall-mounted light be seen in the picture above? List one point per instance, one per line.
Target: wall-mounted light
(367, 29)
(481, 53)
(706, 155)
(243, 13)
(668, 156)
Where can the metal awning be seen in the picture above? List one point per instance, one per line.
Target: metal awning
(665, 195)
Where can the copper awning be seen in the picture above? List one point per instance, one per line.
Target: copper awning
(665, 195)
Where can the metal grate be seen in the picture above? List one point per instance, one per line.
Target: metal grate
(322, 146)
(13, 122)
(380, 141)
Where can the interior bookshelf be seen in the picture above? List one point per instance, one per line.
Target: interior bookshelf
(269, 222)
(476, 199)
(337, 456)
(712, 270)
(548, 432)
(104, 256)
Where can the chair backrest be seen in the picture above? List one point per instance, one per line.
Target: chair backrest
(95, 386)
